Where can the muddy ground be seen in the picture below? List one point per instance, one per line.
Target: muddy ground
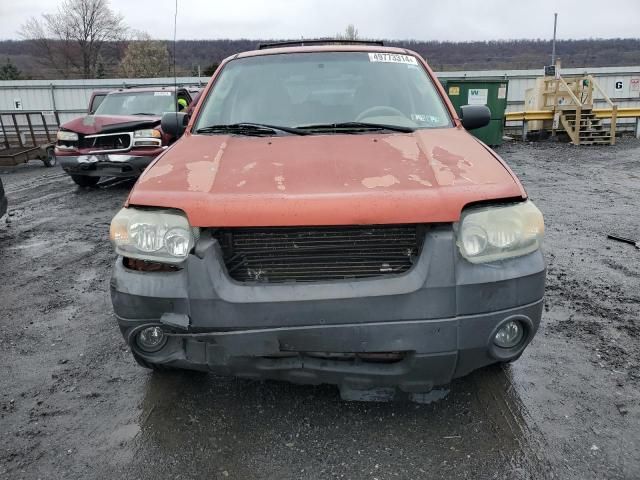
(73, 404)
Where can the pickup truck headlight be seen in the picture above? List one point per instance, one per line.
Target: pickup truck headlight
(150, 133)
(498, 232)
(67, 136)
(147, 138)
(153, 235)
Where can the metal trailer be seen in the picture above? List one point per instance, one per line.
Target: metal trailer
(28, 135)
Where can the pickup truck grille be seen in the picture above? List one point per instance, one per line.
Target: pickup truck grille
(314, 254)
(107, 142)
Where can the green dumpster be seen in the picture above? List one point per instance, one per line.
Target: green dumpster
(492, 93)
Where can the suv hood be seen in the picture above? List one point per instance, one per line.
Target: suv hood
(423, 177)
(92, 124)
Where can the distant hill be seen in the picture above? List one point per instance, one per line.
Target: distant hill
(442, 56)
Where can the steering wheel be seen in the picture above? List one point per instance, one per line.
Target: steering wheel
(379, 110)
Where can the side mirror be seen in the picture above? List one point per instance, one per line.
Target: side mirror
(475, 116)
(174, 123)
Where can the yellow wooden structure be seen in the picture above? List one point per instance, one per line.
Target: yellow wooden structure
(566, 104)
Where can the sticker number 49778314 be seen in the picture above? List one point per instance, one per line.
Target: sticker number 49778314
(393, 58)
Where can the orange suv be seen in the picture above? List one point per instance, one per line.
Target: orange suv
(325, 217)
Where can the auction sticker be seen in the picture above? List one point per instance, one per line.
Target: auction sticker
(393, 58)
(161, 94)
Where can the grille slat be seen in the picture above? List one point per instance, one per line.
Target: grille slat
(314, 254)
(113, 141)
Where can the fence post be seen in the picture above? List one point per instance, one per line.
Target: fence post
(4, 133)
(53, 96)
(33, 135)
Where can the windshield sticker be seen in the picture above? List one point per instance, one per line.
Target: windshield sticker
(421, 117)
(393, 58)
(161, 94)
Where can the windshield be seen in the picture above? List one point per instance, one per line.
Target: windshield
(320, 88)
(137, 103)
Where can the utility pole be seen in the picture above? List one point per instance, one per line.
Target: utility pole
(553, 48)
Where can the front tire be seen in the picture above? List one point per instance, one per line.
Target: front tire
(85, 181)
(50, 160)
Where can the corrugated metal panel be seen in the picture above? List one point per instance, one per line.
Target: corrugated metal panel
(70, 97)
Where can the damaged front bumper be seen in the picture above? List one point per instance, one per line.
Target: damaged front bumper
(107, 164)
(413, 331)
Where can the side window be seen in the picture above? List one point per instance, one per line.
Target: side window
(95, 102)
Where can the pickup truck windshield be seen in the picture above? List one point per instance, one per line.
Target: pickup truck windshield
(137, 103)
(321, 89)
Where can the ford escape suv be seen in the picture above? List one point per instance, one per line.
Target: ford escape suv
(325, 217)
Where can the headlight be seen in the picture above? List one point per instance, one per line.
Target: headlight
(67, 136)
(153, 235)
(495, 233)
(150, 133)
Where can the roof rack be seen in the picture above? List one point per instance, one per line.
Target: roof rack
(325, 41)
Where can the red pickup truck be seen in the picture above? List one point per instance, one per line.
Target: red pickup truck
(122, 136)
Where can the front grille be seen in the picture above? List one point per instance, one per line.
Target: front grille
(112, 141)
(314, 254)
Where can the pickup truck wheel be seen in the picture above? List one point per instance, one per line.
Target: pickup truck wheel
(50, 160)
(85, 181)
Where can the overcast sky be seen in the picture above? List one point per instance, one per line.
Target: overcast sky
(393, 19)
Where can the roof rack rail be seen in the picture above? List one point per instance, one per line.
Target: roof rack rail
(323, 41)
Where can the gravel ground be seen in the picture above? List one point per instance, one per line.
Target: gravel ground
(73, 404)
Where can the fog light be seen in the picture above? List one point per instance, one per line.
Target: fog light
(509, 335)
(150, 339)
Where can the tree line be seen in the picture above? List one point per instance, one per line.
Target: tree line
(22, 59)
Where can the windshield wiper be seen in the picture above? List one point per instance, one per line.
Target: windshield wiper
(356, 127)
(250, 129)
(146, 113)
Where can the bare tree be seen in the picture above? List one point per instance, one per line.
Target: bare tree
(145, 58)
(72, 38)
(350, 33)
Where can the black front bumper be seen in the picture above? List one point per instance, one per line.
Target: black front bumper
(105, 165)
(440, 316)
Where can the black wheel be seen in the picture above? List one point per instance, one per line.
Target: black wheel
(50, 160)
(85, 181)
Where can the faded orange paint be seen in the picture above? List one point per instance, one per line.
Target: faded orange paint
(407, 146)
(416, 178)
(374, 182)
(324, 179)
(422, 177)
(156, 173)
(202, 174)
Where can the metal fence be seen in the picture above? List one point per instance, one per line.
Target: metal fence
(69, 98)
